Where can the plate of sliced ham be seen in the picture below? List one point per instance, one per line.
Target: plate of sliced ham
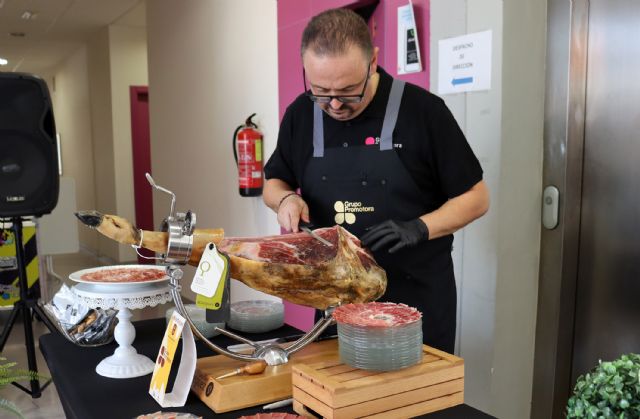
(376, 314)
(121, 274)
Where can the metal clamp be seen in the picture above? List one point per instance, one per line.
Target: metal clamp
(180, 227)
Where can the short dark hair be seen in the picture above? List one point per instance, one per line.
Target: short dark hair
(334, 31)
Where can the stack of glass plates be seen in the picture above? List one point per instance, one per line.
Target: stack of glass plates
(379, 336)
(198, 317)
(256, 316)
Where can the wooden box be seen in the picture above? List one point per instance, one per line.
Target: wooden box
(331, 389)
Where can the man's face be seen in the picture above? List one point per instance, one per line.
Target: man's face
(343, 75)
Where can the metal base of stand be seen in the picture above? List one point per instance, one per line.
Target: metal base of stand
(270, 353)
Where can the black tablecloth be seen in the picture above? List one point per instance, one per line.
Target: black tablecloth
(85, 394)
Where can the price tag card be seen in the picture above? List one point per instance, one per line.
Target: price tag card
(211, 270)
(217, 305)
(186, 368)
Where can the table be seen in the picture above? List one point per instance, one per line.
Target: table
(85, 394)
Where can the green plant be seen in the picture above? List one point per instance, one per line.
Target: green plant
(611, 390)
(9, 375)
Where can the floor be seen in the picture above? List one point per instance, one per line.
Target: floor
(48, 405)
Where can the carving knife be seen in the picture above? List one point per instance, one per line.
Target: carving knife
(306, 227)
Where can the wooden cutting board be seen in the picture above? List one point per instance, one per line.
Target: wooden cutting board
(242, 391)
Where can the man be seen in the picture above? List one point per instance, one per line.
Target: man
(384, 159)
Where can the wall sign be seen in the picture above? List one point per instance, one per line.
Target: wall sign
(464, 63)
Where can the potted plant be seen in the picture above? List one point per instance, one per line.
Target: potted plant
(610, 390)
(9, 375)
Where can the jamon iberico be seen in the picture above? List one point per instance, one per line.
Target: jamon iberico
(296, 267)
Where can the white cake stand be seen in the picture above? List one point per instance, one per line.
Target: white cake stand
(125, 362)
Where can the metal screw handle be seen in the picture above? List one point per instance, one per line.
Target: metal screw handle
(167, 191)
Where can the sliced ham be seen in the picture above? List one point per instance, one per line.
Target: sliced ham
(376, 314)
(124, 274)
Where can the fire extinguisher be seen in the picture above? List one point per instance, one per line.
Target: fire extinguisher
(247, 151)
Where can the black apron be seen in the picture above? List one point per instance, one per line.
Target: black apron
(360, 186)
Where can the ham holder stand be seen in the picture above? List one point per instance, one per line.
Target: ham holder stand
(180, 228)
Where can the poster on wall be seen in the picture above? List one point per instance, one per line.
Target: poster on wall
(464, 63)
(408, 47)
(9, 274)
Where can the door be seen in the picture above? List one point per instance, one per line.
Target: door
(589, 284)
(608, 286)
(141, 154)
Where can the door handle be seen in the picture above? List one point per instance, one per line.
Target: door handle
(550, 204)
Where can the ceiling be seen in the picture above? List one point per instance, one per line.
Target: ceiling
(59, 28)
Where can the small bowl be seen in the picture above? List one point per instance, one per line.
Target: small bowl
(198, 317)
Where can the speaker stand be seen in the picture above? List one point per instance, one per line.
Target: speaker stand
(27, 305)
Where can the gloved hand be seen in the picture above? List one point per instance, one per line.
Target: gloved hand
(397, 234)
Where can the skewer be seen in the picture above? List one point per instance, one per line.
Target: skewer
(253, 368)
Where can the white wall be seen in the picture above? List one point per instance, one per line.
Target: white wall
(496, 257)
(102, 133)
(90, 91)
(475, 254)
(128, 67)
(69, 89)
(519, 206)
(116, 60)
(211, 64)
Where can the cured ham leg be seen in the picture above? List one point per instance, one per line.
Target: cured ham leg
(295, 267)
(122, 231)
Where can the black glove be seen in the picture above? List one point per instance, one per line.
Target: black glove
(398, 234)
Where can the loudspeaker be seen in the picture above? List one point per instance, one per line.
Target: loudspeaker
(29, 180)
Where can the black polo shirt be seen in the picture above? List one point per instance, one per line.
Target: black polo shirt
(426, 137)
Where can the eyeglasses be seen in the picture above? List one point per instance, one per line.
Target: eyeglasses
(329, 98)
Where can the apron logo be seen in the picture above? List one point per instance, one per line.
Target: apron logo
(345, 211)
(376, 141)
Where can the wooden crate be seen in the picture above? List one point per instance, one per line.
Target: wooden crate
(242, 391)
(331, 389)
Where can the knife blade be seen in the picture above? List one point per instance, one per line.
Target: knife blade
(306, 227)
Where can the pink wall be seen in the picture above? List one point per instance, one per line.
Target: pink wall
(293, 16)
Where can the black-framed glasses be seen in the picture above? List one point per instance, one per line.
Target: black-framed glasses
(329, 98)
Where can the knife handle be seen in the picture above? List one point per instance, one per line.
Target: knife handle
(305, 224)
